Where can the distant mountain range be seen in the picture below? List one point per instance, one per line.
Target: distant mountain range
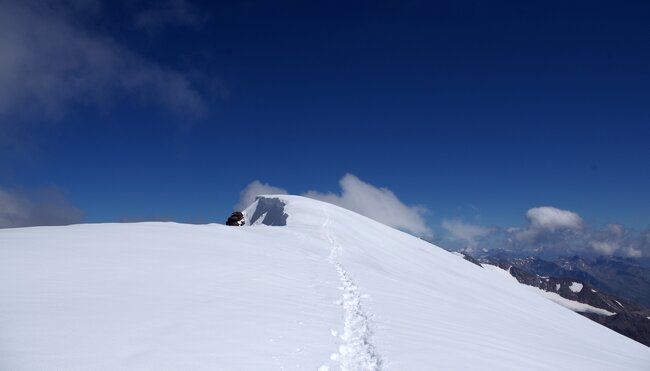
(614, 291)
(624, 277)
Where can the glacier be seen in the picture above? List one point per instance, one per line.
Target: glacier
(306, 286)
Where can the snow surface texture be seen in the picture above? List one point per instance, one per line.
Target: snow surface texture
(330, 290)
(356, 352)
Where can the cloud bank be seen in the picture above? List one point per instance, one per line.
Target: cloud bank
(47, 207)
(564, 232)
(469, 233)
(545, 221)
(379, 204)
(51, 58)
(254, 189)
(552, 231)
(615, 239)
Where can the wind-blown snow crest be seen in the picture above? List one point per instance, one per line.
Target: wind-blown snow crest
(267, 211)
(167, 296)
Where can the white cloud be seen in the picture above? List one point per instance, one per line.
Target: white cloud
(605, 247)
(552, 219)
(50, 61)
(379, 204)
(564, 232)
(615, 239)
(616, 248)
(47, 207)
(465, 232)
(254, 189)
(632, 252)
(545, 221)
(616, 230)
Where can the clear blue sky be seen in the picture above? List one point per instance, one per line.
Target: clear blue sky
(477, 110)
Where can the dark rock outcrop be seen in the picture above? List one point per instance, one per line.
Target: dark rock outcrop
(236, 219)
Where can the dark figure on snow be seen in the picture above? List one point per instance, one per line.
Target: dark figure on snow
(236, 219)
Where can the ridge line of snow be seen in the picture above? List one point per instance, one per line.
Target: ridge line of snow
(357, 352)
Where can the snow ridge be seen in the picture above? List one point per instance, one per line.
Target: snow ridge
(357, 352)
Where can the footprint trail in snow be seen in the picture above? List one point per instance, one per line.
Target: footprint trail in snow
(357, 352)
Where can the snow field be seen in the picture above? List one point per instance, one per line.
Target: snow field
(166, 296)
(357, 351)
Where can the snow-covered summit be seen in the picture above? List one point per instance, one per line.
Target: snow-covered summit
(294, 211)
(327, 290)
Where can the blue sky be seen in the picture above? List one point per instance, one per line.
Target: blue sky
(476, 111)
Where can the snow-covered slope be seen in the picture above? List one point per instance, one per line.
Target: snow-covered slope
(329, 289)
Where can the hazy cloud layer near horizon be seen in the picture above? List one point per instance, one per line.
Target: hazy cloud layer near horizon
(45, 207)
(552, 231)
(470, 233)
